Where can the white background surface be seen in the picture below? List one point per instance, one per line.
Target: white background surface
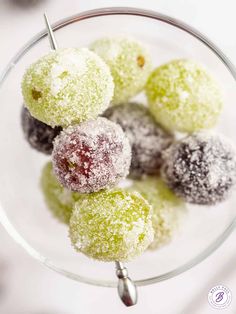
(26, 287)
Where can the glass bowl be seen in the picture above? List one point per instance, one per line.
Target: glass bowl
(23, 211)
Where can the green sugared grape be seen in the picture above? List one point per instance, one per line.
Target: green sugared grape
(183, 96)
(67, 86)
(111, 225)
(168, 209)
(129, 63)
(59, 200)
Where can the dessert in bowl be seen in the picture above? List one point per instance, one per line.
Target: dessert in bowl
(24, 211)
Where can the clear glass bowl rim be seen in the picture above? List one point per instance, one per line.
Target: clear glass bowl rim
(98, 13)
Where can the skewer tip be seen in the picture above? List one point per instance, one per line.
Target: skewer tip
(52, 39)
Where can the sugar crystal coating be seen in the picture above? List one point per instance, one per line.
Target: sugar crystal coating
(168, 209)
(67, 86)
(39, 135)
(183, 96)
(147, 139)
(201, 168)
(91, 156)
(60, 201)
(129, 63)
(111, 225)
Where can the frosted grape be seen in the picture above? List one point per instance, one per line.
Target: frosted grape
(146, 137)
(129, 62)
(60, 201)
(183, 96)
(168, 209)
(39, 135)
(201, 168)
(91, 156)
(111, 225)
(67, 86)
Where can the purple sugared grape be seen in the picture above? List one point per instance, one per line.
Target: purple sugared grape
(201, 168)
(146, 137)
(39, 135)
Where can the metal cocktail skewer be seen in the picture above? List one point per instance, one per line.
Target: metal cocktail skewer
(52, 39)
(126, 287)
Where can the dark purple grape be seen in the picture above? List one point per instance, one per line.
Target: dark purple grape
(39, 135)
(201, 168)
(147, 138)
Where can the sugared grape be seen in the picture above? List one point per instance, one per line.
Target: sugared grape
(147, 139)
(168, 209)
(67, 86)
(91, 156)
(183, 96)
(39, 135)
(111, 225)
(60, 201)
(201, 168)
(129, 63)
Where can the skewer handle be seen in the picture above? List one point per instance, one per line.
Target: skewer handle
(126, 287)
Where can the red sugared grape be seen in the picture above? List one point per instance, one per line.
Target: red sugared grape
(91, 156)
